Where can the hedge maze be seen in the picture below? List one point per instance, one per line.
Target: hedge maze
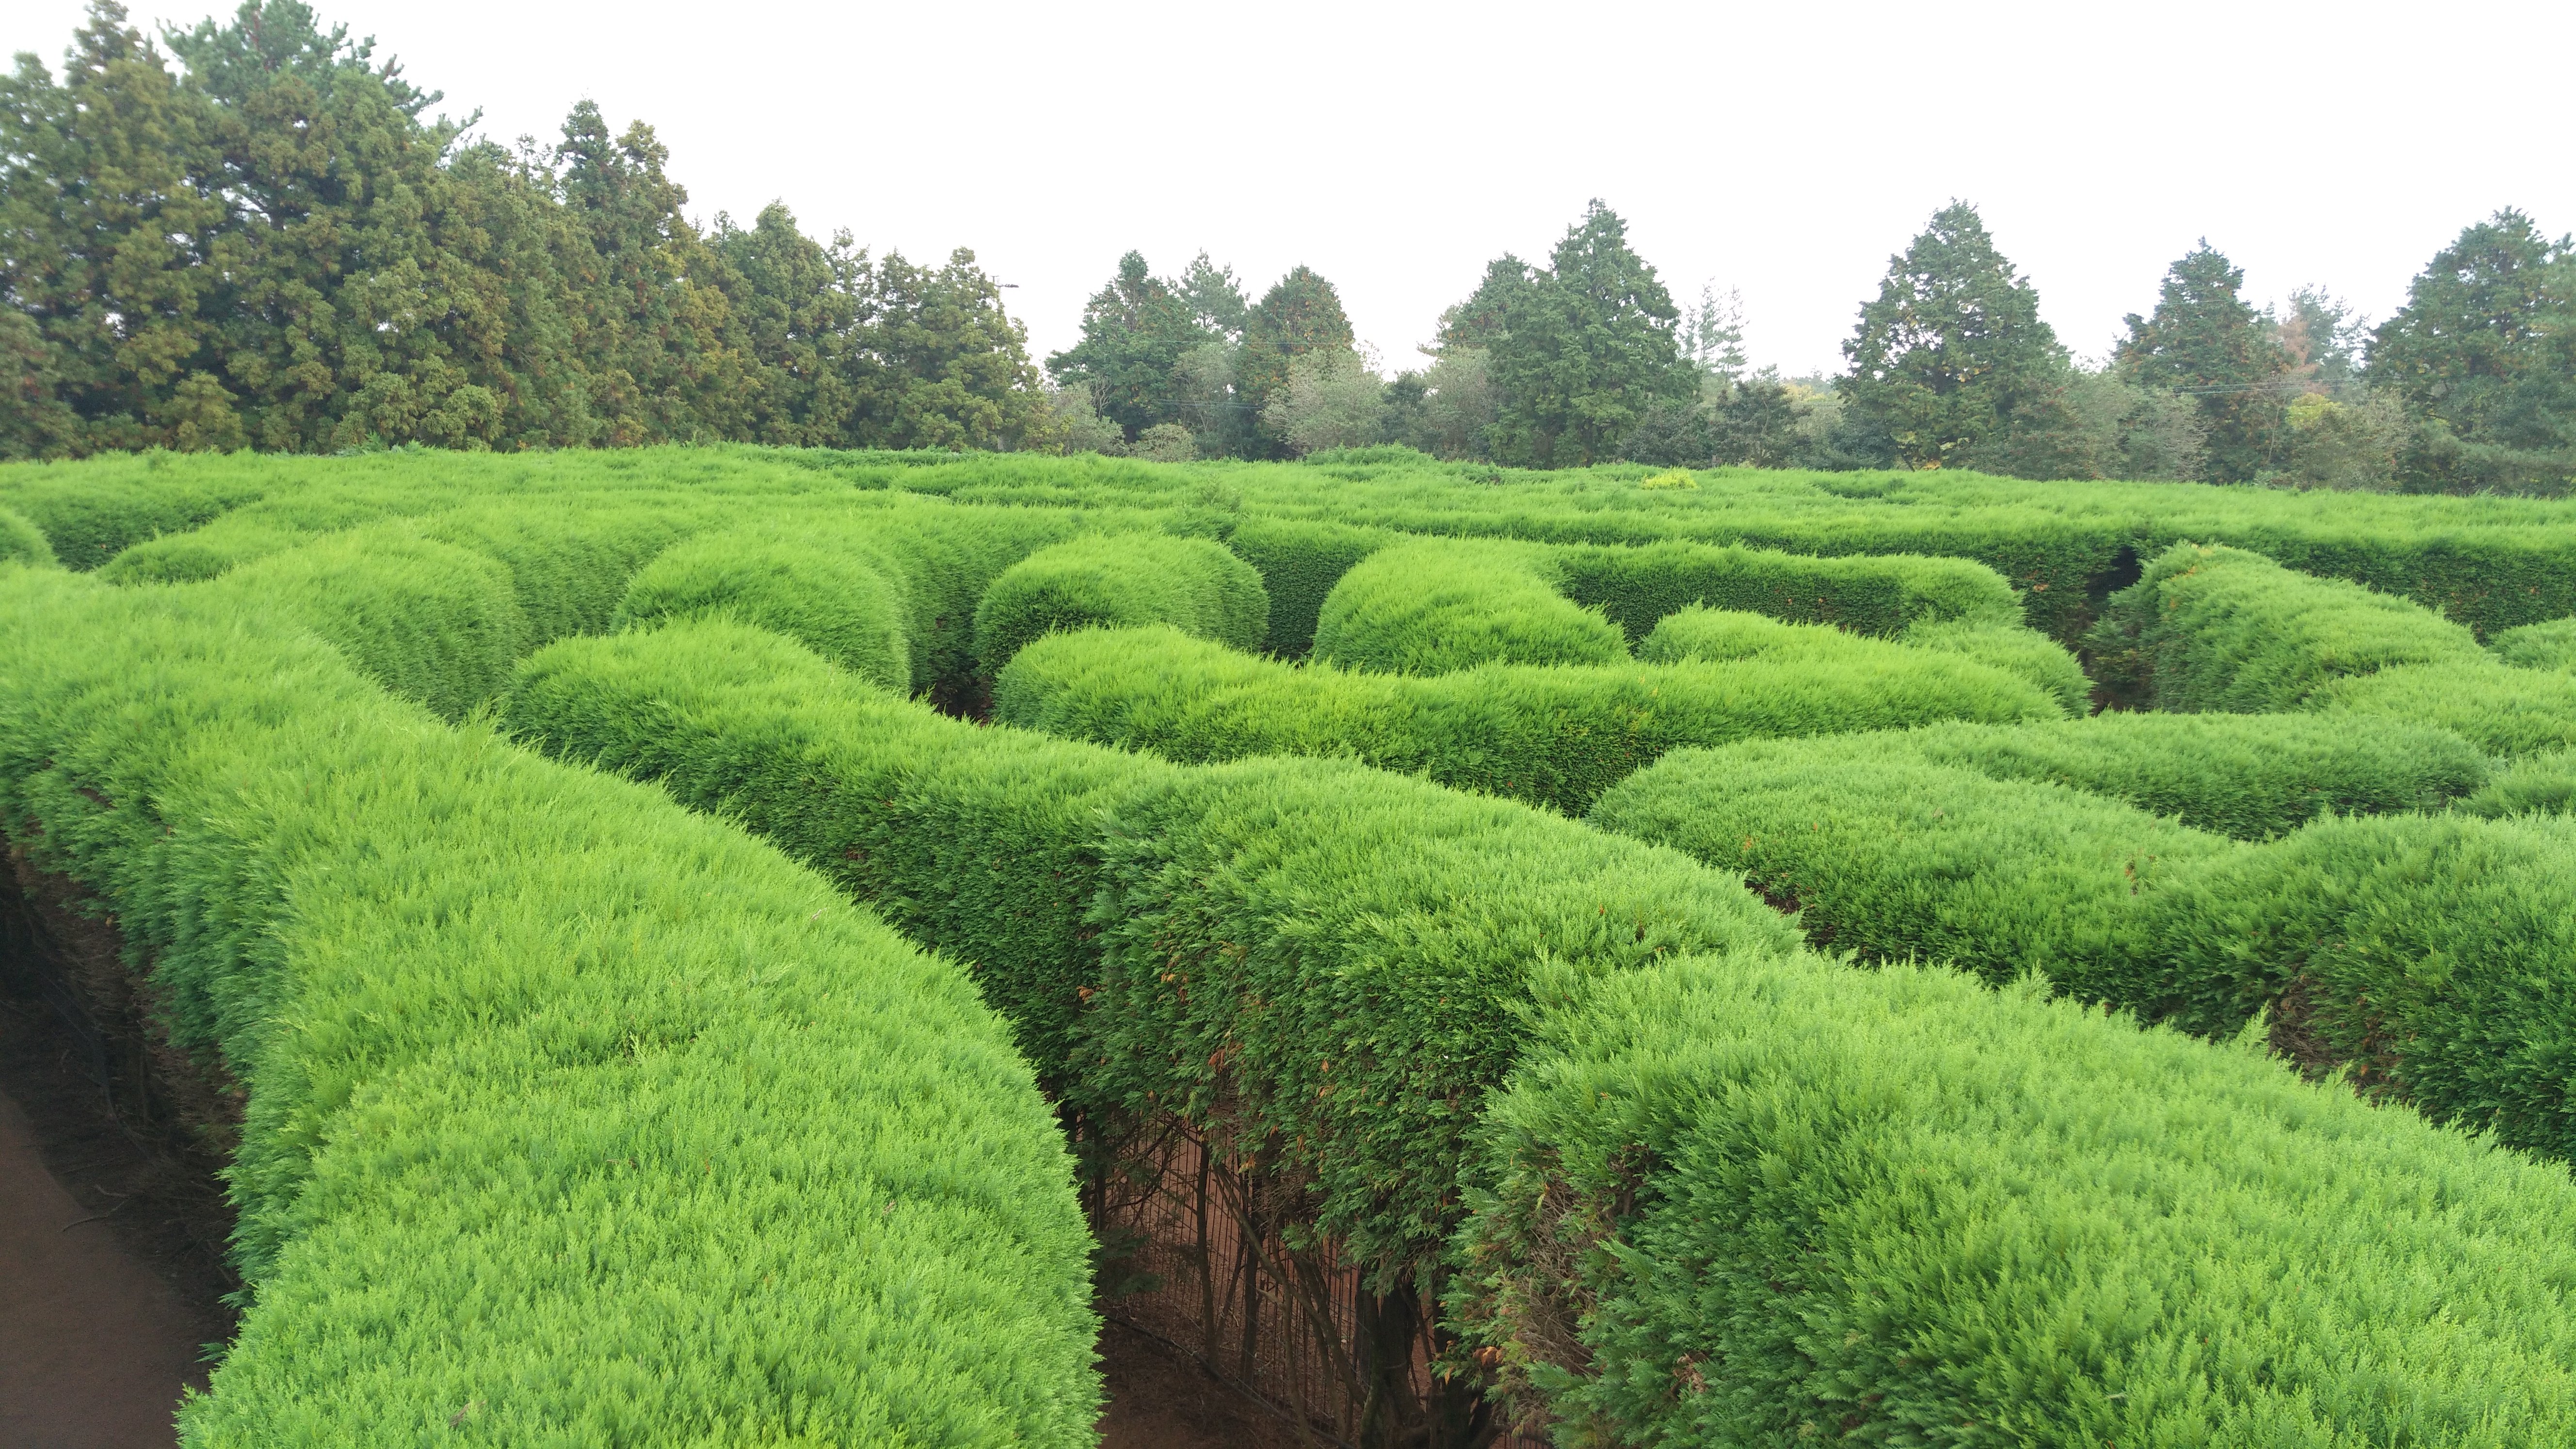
(706, 945)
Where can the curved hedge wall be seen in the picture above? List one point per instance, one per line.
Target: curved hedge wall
(571, 1117)
(1191, 584)
(834, 600)
(1429, 606)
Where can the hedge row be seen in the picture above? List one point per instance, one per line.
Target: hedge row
(2548, 645)
(1552, 736)
(2418, 950)
(2214, 628)
(1430, 606)
(1299, 564)
(22, 542)
(1321, 962)
(1768, 1202)
(570, 1117)
(836, 599)
(1636, 587)
(1718, 635)
(1122, 580)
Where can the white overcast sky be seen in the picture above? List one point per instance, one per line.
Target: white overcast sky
(1786, 150)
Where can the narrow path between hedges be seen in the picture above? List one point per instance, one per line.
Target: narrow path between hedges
(99, 1329)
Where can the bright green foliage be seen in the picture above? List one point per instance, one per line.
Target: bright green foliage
(1880, 594)
(1551, 735)
(2484, 353)
(2542, 784)
(2249, 776)
(833, 600)
(1299, 564)
(2015, 649)
(1773, 1204)
(2502, 710)
(572, 1118)
(23, 542)
(2433, 954)
(429, 621)
(569, 560)
(1123, 580)
(2205, 341)
(1329, 962)
(1897, 858)
(2547, 645)
(1428, 606)
(1952, 353)
(2217, 628)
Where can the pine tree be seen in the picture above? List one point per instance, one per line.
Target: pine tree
(1300, 315)
(2483, 355)
(2206, 343)
(1952, 352)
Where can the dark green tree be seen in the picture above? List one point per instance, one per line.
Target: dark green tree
(1952, 352)
(1300, 314)
(1580, 353)
(1134, 333)
(2483, 356)
(2206, 343)
(946, 366)
(799, 304)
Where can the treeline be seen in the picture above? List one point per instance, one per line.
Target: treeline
(270, 247)
(2470, 387)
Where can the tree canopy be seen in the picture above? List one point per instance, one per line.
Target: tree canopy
(1952, 349)
(2205, 342)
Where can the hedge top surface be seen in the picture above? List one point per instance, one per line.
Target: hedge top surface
(1192, 584)
(573, 1118)
(2547, 645)
(1429, 606)
(1772, 1203)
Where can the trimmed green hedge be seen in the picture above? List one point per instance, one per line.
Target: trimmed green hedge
(431, 622)
(1299, 564)
(2548, 645)
(571, 1117)
(1698, 632)
(2434, 956)
(1553, 736)
(2249, 776)
(1881, 595)
(2015, 649)
(1770, 1203)
(22, 542)
(1897, 857)
(2543, 784)
(2503, 710)
(1430, 606)
(2215, 628)
(832, 598)
(1326, 963)
(1122, 579)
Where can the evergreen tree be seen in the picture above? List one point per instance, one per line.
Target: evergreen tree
(1134, 333)
(1578, 354)
(1952, 352)
(799, 305)
(948, 368)
(1300, 315)
(2205, 342)
(2483, 356)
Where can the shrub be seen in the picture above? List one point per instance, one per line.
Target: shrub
(1322, 962)
(1191, 584)
(2547, 645)
(569, 1115)
(1299, 564)
(22, 542)
(428, 621)
(1771, 1203)
(1428, 606)
(1899, 858)
(1553, 736)
(2013, 648)
(2214, 628)
(1715, 635)
(2502, 710)
(834, 600)
(2543, 784)
(1637, 587)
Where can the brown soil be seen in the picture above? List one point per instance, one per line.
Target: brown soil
(1158, 1399)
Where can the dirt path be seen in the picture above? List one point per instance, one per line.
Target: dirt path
(93, 1344)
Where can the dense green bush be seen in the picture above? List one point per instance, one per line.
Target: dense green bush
(1428, 606)
(1325, 963)
(1122, 580)
(2433, 956)
(1554, 736)
(21, 541)
(2547, 645)
(2542, 784)
(570, 1117)
(2249, 776)
(1636, 587)
(1768, 1203)
(1896, 857)
(1299, 564)
(2214, 628)
(2502, 710)
(2015, 649)
(429, 621)
(832, 598)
